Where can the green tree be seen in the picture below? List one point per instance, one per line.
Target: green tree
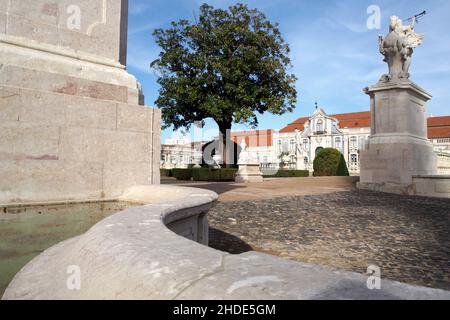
(230, 65)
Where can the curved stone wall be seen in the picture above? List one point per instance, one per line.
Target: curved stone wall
(134, 255)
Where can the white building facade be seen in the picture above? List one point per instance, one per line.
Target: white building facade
(296, 145)
(179, 152)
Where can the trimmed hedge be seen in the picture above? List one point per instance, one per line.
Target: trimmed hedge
(182, 174)
(209, 174)
(289, 174)
(228, 174)
(166, 172)
(205, 174)
(330, 162)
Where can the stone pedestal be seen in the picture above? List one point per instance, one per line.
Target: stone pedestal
(73, 121)
(249, 173)
(398, 148)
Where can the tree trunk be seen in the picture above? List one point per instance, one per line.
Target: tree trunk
(223, 128)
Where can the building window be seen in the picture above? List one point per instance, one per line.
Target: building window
(306, 144)
(292, 145)
(279, 145)
(354, 158)
(292, 159)
(353, 142)
(362, 143)
(338, 143)
(285, 146)
(306, 160)
(319, 126)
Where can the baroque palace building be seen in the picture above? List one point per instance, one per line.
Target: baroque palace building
(296, 145)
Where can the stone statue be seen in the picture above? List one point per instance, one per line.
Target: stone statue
(398, 151)
(397, 48)
(243, 155)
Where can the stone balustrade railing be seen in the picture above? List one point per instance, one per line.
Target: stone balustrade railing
(139, 254)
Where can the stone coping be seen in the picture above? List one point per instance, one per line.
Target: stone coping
(61, 51)
(399, 84)
(432, 177)
(133, 255)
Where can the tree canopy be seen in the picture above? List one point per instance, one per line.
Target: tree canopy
(228, 65)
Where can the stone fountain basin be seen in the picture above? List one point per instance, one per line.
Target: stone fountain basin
(139, 254)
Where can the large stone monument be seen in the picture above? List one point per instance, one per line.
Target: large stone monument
(72, 120)
(398, 150)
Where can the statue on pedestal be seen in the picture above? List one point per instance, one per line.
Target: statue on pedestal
(398, 150)
(397, 48)
(249, 170)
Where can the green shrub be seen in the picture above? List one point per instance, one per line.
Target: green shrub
(330, 162)
(205, 174)
(182, 174)
(209, 174)
(228, 174)
(289, 174)
(166, 172)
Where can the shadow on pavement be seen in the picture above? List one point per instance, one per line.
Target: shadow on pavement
(226, 242)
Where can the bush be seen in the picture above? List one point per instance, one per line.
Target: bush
(208, 174)
(228, 174)
(205, 174)
(166, 172)
(289, 174)
(330, 162)
(182, 174)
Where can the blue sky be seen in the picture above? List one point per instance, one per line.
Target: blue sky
(334, 54)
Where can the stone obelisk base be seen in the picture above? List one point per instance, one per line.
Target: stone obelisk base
(398, 149)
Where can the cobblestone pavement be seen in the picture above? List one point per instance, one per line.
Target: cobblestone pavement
(407, 237)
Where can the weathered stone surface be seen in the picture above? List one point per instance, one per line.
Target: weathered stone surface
(67, 103)
(256, 276)
(38, 142)
(248, 173)
(398, 147)
(132, 255)
(39, 180)
(52, 23)
(2, 21)
(57, 83)
(432, 186)
(132, 176)
(134, 118)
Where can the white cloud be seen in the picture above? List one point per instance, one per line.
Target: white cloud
(138, 7)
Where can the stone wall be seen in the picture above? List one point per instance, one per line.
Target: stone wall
(443, 163)
(71, 121)
(432, 186)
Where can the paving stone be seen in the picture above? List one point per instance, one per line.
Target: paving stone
(407, 237)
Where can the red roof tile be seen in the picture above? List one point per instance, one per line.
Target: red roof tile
(438, 127)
